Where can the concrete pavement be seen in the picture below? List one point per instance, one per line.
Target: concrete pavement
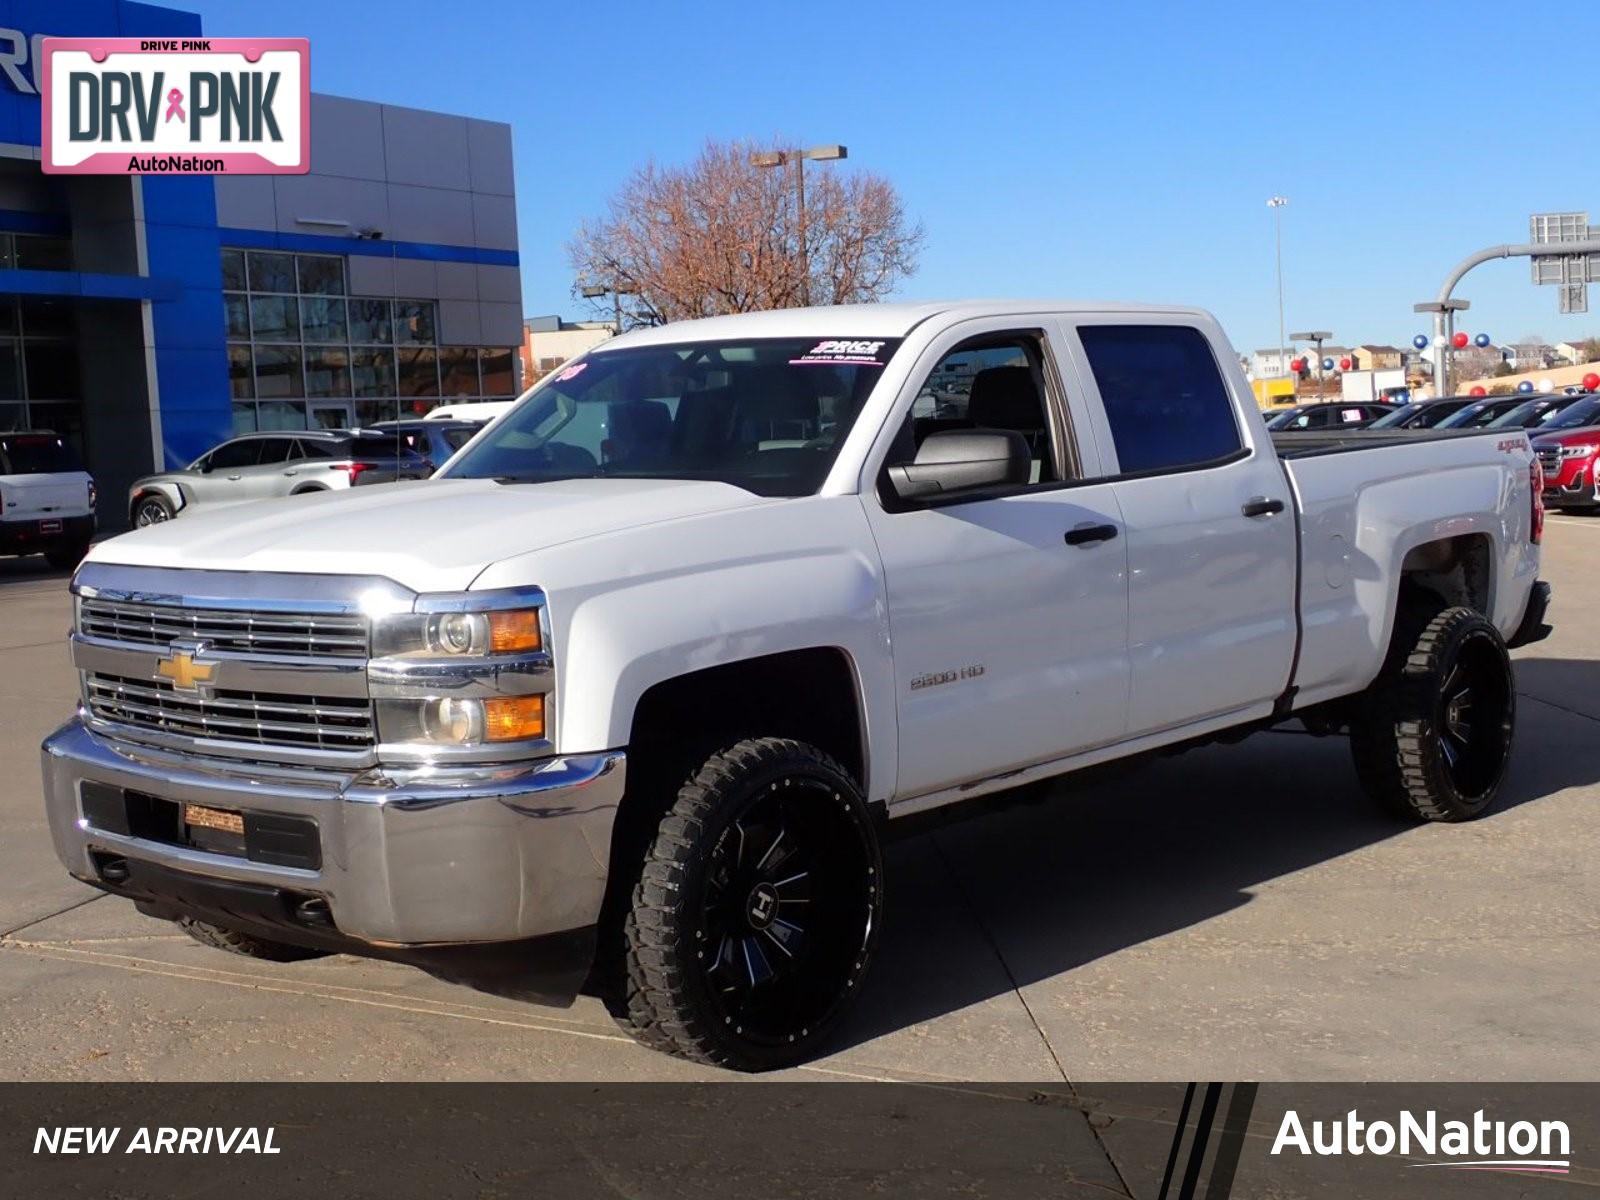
(1239, 912)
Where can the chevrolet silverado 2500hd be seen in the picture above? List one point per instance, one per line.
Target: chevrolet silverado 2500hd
(633, 682)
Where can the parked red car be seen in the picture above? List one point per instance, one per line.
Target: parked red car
(1567, 450)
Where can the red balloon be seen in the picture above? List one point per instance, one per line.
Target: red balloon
(1344, 364)
(1479, 391)
(1297, 365)
(1460, 341)
(1591, 382)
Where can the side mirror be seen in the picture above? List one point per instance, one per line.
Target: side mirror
(959, 460)
(204, 465)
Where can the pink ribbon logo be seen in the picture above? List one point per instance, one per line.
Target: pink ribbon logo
(174, 106)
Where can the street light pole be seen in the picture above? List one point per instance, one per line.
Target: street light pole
(616, 289)
(779, 158)
(1276, 204)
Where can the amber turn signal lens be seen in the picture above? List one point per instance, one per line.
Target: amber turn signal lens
(513, 718)
(512, 631)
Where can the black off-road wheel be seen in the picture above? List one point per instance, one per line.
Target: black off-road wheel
(1433, 734)
(757, 911)
(234, 942)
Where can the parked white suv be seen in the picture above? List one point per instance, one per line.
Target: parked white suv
(260, 466)
(46, 498)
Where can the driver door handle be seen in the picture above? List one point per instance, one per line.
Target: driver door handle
(291, 472)
(1089, 534)
(235, 477)
(1260, 506)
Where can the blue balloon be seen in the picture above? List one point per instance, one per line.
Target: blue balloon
(1525, 386)
(1327, 364)
(1420, 341)
(1481, 341)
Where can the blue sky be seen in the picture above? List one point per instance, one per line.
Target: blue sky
(1114, 150)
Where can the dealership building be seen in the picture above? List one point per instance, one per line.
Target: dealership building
(150, 317)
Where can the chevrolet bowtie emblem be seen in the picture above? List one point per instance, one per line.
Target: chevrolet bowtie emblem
(186, 674)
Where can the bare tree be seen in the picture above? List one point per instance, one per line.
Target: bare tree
(722, 236)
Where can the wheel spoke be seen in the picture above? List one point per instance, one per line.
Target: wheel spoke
(778, 942)
(1449, 752)
(771, 848)
(783, 883)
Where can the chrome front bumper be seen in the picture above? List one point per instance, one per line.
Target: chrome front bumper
(408, 857)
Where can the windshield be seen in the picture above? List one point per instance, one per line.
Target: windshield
(1575, 416)
(1475, 416)
(1531, 413)
(765, 415)
(1282, 419)
(1419, 416)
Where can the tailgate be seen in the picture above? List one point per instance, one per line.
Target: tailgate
(30, 497)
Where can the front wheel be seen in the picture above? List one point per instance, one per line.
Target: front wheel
(757, 911)
(151, 510)
(1433, 738)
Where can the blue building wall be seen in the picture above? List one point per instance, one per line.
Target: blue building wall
(182, 245)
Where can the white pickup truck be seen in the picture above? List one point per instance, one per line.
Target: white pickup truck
(634, 682)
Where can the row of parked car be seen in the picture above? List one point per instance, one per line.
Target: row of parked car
(48, 499)
(1564, 429)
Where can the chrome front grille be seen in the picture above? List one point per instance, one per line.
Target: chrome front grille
(261, 718)
(300, 634)
(1550, 461)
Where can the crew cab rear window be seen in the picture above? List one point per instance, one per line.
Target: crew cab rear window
(36, 454)
(1164, 396)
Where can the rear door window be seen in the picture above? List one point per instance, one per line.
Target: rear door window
(1164, 396)
(37, 454)
(244, 453)
(276, 450)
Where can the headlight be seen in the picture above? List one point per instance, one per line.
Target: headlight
(1577, 451)
(458, 634)
(462, 721)
(465, 676)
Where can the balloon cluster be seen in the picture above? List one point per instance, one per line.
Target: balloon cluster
(1458, 341)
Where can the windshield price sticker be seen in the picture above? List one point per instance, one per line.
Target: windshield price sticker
(846, 350)
(176, 106)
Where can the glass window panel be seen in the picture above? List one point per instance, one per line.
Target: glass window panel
(321, 275)
(498, 376)
(322, 320)
(44, 253)
(370, 412)
(419, 371)
(13, 416)
(10, 376)
(237, 309)
(43, 317)
(233, 279)
(280, 414)
(371, 321)
(413, 321)
(65, 419)
(372, 370)
(278, 374)
(271, 272)
(8, 256)
(241, 383)
(458, 371)
(8, 314)
(244, 418)
(51, 370)
(327, 371)
(275, 318)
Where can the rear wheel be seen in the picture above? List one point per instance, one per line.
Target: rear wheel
(757, 911)
(151, 510)
(231, 940)
(1434, 736)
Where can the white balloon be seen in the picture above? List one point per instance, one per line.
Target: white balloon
(1546, 385)
(1441, 343)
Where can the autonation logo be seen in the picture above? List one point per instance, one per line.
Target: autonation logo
(1476, 1145)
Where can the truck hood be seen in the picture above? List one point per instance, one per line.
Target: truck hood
(430, 537)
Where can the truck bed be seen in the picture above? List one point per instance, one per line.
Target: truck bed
(1293, 445)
